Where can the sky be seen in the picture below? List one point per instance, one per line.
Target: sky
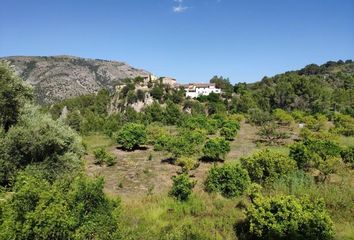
(190, 40)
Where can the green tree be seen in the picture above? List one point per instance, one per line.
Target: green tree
(182, 187)
(286, 217)
(157, 92)
(14, 93)
(229, 129)
(40, 141)
(216, 148)
(131, 136)
(70, 208)
(172, 114)
(266, 166)
(231, 180)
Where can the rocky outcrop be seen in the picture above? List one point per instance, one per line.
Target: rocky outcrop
(61, 77)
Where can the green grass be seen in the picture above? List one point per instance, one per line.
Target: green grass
(95, 141)
(203, 216)
(346, 141)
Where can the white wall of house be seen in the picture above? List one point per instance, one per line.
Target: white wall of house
(199, 91)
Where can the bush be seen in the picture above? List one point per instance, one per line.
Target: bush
(310, 152)
(182, 187)
(187, 163)
(216, 149)
(286, 217)
(14, 93)
(131, 136)
(344, 124)
(231, 180)
(102, 156)
(258, 117)
(348, 156)
(282, 117)
(269, 134)
(315, 123)
(229, 130)
(266, 166)
(39, 140)
(71, 208)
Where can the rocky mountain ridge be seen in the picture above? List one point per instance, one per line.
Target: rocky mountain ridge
(55, 78)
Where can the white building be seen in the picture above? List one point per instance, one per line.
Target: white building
(194, 90)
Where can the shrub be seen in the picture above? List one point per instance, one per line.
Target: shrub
(14, 93)
(344, 124)
(286, 217)
(282, 117)
(266, 166)
(70, 208)
(231, 180)
(311, 151)
(39, 140)
(229, 130)
(172, 114)
(348, 156)
(182, 187)
(216, 149)
(101, 156)
(258, 116)
(269, 134)
(303, 156)
(187, 163)
(315, 123)
(131, 136)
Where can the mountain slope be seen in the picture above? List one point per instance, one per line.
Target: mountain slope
(60, 77)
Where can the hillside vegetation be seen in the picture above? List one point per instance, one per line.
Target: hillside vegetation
(269, 160)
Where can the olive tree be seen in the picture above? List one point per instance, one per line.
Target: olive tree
(14, 93)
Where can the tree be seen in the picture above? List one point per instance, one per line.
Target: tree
(14, 93)
(266, 166)
(102, 156)
(286, 217)
(131, 136)
(282, 117)
(347, 155)
(173, 114)
(154, 112)
(229, 129)
(269, 134)
(157, 92)
(182, 187)
(216, 149)
(42, 142)
(70, 208)
(231, 180)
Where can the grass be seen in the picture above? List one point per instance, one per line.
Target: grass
(346, 141)
(203, 216)
(95, 141)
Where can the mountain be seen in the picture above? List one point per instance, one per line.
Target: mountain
(55, 78)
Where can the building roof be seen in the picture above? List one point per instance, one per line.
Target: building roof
(198, 85)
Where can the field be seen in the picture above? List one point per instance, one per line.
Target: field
(142, 178)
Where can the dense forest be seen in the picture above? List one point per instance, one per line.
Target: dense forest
(267, 160)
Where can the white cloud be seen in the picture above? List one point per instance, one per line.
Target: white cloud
(180, 7)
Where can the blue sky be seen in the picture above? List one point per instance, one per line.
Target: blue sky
(191, 40)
